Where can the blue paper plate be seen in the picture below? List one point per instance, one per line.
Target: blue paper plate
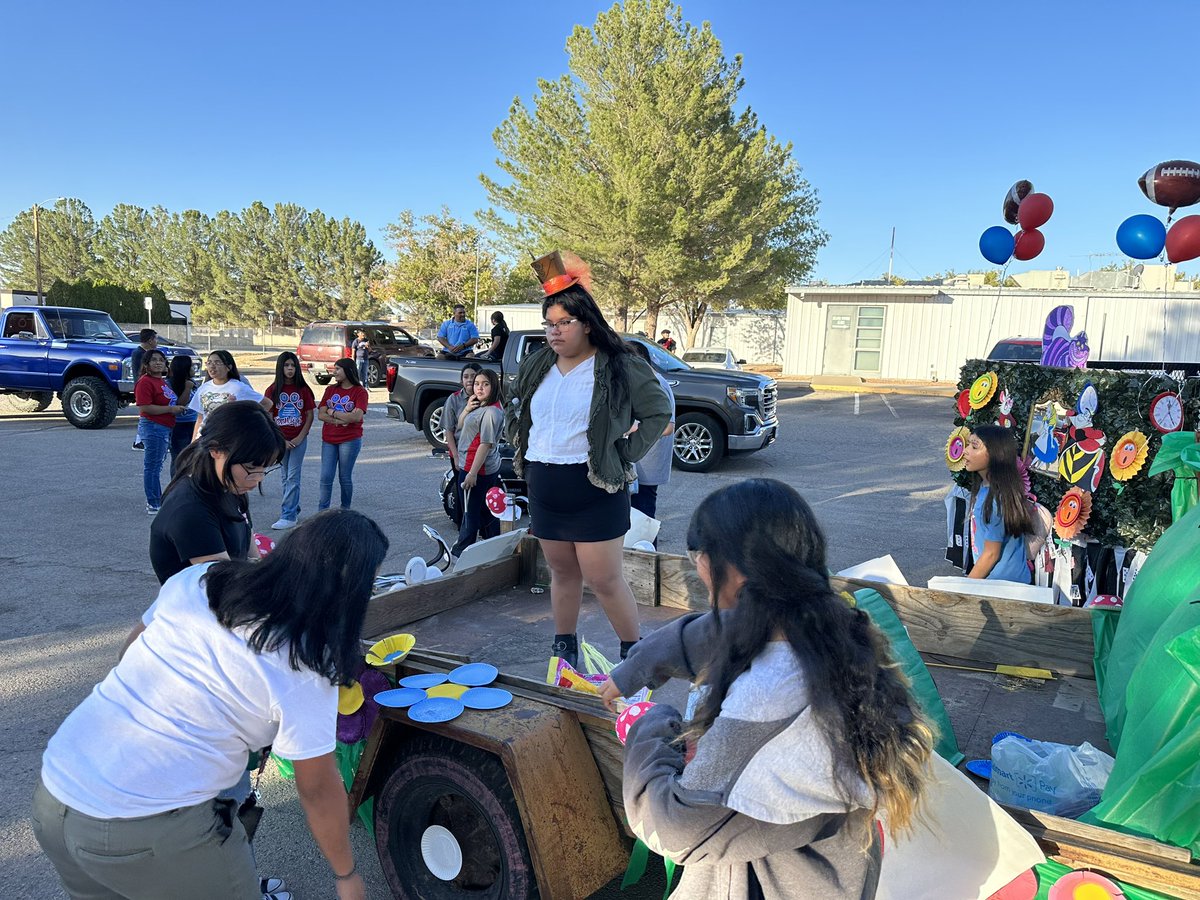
(424, 681)
(1001, 735)
(392, 657)
(436, 709)
(398, 698)
(980, 767)
(486, 698)
(474, 674)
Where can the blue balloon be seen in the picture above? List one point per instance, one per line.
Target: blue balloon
(1142, 237)
(996, 244)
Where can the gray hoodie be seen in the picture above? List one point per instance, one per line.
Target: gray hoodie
(757, 812)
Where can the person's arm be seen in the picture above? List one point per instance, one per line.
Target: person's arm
(441, 336)
(196, 427)
(450, 427)
(987, 559)
(305, 428)
(133, 636)
(651, 409)
(323, 798)
(143, 396)
(678, 650)
(266, 403)
(471, 341)
(472, 477)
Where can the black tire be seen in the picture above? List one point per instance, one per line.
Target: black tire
(374, 373)
(464, 790)
(450, 501)
(699, 442)
(322, 379)
(431, 424)
(89, 402)
(30, 401)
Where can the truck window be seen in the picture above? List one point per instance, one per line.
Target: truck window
(15, 323)
(530, 343)
(663, 361)
(322, 335)
(381, 336)
(76, 324)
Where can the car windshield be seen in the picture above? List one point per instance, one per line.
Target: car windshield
(322, 334)
(77, 324)
(663, 360)
(695, 357)
(1019, 352)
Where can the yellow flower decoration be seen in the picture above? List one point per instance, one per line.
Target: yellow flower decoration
(349, 699)
(983, 390)
(956, 448)
(1128, 455)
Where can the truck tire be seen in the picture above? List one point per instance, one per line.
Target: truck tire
(88, 402)
(464, 794)
(698, 442)
(432, 424)
(374, 374)
(30, 401)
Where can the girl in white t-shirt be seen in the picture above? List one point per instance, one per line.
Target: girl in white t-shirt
(223, 385)
(231, 657)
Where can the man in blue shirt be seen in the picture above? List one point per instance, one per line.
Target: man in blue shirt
(458, 335)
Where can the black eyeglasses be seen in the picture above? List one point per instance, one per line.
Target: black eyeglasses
(256, 472)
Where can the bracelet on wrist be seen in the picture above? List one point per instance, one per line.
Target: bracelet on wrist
(353, 871)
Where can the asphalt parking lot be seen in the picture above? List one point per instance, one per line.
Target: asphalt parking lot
(77, 575)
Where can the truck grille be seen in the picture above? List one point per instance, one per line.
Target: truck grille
(770, 398)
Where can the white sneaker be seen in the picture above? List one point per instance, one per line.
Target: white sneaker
(283, 524)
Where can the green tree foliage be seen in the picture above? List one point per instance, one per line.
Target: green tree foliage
(639, 161)
(124, 304)
(68, 232)
(437, 257)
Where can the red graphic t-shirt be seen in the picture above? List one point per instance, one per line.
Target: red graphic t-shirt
(290, 410)
(151, 391)
(343, 400)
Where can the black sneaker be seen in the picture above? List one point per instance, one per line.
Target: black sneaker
(138, 445)
(566, 646)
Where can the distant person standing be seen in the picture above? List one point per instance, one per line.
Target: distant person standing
(495, 351)
(360, 349)
(224, 385)
(292, 407)
(179, 377)
(654, 469)
(341, 411)
(480, 426)
(666, 341)
(147, 341)
(158, 405)
(457, 335)
(455, 404)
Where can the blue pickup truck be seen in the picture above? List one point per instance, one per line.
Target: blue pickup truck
(78, 355)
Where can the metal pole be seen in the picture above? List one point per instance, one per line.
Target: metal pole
(150, 312)
(476, 310)
(37, 254)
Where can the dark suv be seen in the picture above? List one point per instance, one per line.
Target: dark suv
(323, 343)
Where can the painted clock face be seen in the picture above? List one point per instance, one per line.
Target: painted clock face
(1166, 412)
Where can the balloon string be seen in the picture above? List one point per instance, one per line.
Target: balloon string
(996, 307)
(1166, 300)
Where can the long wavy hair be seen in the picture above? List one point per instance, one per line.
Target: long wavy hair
(579, 303)
(281, 381)
(493, 381)
(859, 698)
(1006, 488)
(310, 593)
(180, 374)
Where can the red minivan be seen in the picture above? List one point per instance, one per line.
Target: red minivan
(323, 343)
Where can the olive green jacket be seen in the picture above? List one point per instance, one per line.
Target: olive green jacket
(611, 455)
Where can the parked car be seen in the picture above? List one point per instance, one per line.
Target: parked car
(172, 349)
(1017, 349)
(80, 355)
(715, 412)
(712, 358)
(1029, 350)
(323, 343)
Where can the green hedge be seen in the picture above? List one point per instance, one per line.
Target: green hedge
(125, 305)
(1133, 516)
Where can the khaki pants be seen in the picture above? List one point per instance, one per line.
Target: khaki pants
(195, 853)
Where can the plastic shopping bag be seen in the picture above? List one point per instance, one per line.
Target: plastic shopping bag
(1055, 778)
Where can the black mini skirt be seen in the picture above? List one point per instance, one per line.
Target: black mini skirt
(565, 506)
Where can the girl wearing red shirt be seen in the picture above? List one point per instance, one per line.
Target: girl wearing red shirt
(158, 406)
(341, 410)
(292, 408)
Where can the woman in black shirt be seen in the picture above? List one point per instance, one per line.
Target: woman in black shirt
(499, 337)
(205, 514)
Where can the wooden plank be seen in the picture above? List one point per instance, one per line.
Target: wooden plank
(679, 586)
(389, 613)
(990, 631)
(641, 571)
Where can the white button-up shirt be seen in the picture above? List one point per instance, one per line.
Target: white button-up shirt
(559, 415)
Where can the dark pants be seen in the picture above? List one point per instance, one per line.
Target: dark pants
(181, 439)
(477, 520)
(646, 499)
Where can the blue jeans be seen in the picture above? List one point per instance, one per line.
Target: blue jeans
(293, 461)
(362, 371)
(340, 457)
(157, 441)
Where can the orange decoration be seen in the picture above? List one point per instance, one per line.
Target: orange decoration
(1073, 513)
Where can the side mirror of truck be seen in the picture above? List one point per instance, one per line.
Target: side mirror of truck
(26, 336)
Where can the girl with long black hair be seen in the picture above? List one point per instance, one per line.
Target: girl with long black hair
(230, 658)
(223, 385)
(1000, 516)
(480, 427)
(180, 380)
(341, 412)
(292, 406)
(585, 410)
(157, 407)
(805, 733)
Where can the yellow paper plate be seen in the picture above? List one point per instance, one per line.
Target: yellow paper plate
(381, 652)
(453, 691)
(349, 699)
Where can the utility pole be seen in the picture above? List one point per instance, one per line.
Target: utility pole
(892, 254)
(37, 254)
(476, 310)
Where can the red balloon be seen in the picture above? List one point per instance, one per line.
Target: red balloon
(1183, 240)
(1029, 243)
(1034, 212)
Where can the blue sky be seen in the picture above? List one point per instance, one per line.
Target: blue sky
(914, 115)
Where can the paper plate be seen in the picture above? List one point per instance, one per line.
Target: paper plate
(486, 698)
(437, 709)
(453, 691)
(1023, 887)
(425, 682)
(399, 698)
(1084, 886)
(475, 674)
(390, 649)
(1001, 735)
(441, 853)
(980, 767)
(350, 699)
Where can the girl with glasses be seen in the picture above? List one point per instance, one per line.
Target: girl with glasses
(223, 384)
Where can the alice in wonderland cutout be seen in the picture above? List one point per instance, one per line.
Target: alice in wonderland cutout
(1042, 439)
(963, 402)
(1005, 419)
(1166, 412)
(1082, 462)
(1128, 455)
(1081, 467)
(956, 448)
(983, 389)
(1073, 513)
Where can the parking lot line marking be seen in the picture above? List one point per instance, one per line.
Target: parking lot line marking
(891, 409)
(856, 404)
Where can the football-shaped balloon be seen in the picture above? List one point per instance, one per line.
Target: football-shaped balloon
(1173, 183)
(1029, 244)
(1012, 200)
(1035, 211)
(1183, 240)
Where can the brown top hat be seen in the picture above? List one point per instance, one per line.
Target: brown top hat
(560, 270)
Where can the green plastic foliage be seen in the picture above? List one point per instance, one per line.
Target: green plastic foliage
(1131, 514)
(1179, 454)
(1049, 872)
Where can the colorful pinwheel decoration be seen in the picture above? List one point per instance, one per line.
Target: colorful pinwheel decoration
(1073, 513)
(1128, 455)
(956, 448)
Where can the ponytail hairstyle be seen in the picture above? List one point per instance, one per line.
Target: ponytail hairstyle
(765, 530)
(579, 303)
(1006, 488)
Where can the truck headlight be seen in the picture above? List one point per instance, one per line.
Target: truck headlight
(127, 369)
(742, 396)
